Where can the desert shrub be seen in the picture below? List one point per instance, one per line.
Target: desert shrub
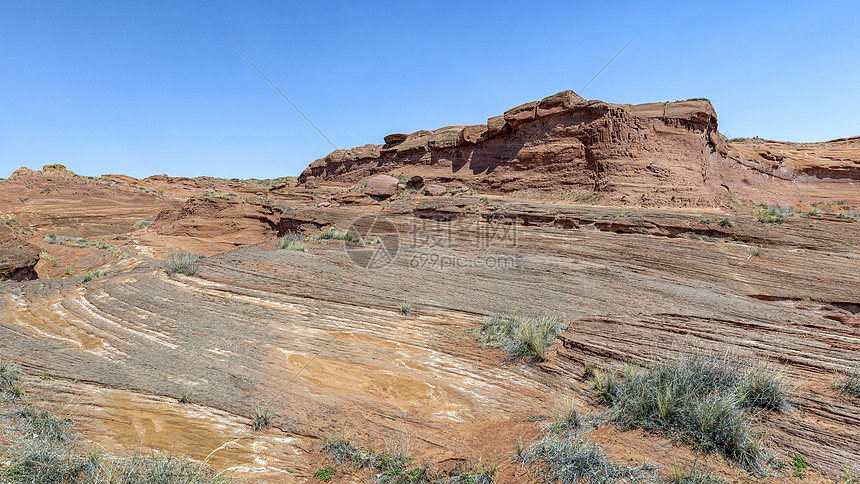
(405, 309)
(223, 196)
(394, 466)
(847, 382)
(335, 234)
(519, 336)
(771, 214)
(680, 475)
(701, 399)
(142, 223)
(89, 276)
(569, 458)
(261, 418)
(43, 423)
(726, 223)
(79, 242)
(566, 420)
(9, 374)
(291, 241)
(183, 262)
(325, 474)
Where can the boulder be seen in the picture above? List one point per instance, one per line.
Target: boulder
(416, 142)
(311, 182)
(496, 126)
(557, 103)
(448, 137)
(382, 186)
(434, 190)
(415, 183)
(395, 138)
(474, 133)
(521, 114)
(278, 186)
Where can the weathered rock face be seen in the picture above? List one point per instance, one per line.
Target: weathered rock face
(17, 258)
(656, 154)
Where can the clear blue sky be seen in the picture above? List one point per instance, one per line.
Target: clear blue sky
(144, 88)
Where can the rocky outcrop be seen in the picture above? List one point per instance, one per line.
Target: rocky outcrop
(655, 154)
(17, 258)
(561, 141)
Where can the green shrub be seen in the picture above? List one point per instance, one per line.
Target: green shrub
(770, 214)
(9, 374)
(394, 466)
(519, 336)
(701, 399)
(325, 474)
(89, 276)
(335, 234)
(726, 223)
(183, 262)
(291, 241)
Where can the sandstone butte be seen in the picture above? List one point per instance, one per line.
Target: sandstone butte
(641, 228)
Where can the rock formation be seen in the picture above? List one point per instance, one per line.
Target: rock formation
(656, 154)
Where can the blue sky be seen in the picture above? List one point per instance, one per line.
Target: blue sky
(144, 88)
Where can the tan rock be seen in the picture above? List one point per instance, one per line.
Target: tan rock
(521, 114)
(382, 186)
(557, 103)
(434, 190)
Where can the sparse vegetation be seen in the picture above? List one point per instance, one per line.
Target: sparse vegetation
(405, 309)
(183, 262)
(799, 466)
(185, 398)
(325, 474)
(292, 241)
(44, 424)
(771, 214)
(848, 382)
(569, 458)
(80, 242)
(9, 374)
(567, 419)
(394, 465)
(142, 223)
(335, 234)
(261, 419)
(520, 336)
(89, 276)
(705, 221)
(726, 223)
(588, 370)
(680, 475)
(223, 196)
(701, 399)
(16, 226)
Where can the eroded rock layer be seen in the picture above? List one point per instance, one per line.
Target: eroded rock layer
(656, 154)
